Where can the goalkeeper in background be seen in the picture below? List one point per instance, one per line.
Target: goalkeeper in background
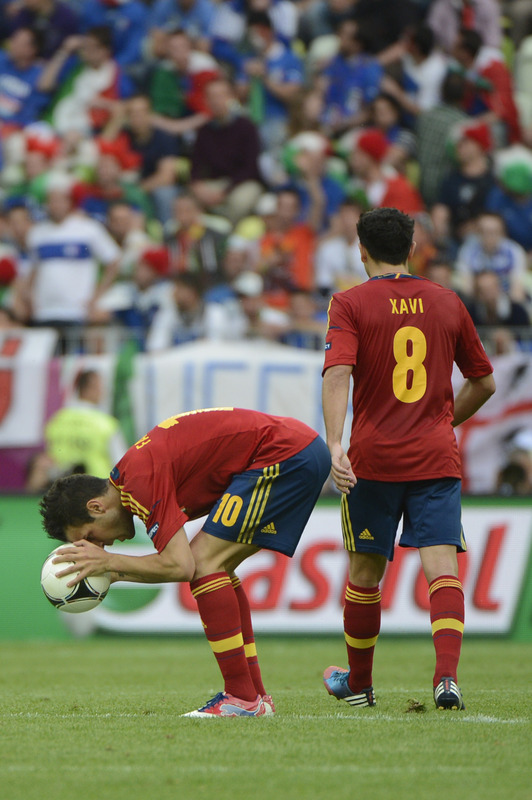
(397, 336)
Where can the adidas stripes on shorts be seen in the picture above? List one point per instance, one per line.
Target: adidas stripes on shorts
(431, 512)
(269, 507)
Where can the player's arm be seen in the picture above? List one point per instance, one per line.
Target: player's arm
(472, 395)
(335, 394)
(173, 564)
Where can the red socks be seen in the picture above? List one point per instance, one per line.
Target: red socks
(250, 648)
(362, 622)
(447, 618)
(220, 614)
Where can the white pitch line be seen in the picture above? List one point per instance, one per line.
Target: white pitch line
(371, 717)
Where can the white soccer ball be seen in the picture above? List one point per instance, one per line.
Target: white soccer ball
(73, 599)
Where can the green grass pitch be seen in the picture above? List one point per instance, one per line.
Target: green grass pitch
(99, 719)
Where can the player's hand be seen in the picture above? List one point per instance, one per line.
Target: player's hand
(341, 470)
(88, 559)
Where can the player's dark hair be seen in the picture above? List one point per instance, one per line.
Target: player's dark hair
(387, 235)
(65, 503)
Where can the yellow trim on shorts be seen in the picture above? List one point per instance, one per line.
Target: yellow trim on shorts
(347, 529)
(257, 504)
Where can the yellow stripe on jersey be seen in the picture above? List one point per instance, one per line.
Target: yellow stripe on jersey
(257, 504)
(231, 643)
(451, 623)
(127, 500)
(212, 586)
(250, 650)
(360, 644)
(347, 530)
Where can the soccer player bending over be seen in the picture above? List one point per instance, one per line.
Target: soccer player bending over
(397, 336)
(257, 478)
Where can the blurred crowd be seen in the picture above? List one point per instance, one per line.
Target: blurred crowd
(187, 169)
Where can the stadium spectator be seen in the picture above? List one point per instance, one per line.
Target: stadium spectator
(491, 92)
(385, 22)
(382, 185)
(463, 193)
(109, 183)
(181, 318)
(269, 79)
(245, 313)
(224, 174)
(511, 198)
(403, 460)
(17, 230)
(286, 250)
(66, 252)
(320, 191)
(157, 150)
(350, 82)
(423, 71)
(194, 17)
(323, 18)
(230, 35)
(88, 86)
(386, 116)
(433, 129)
(447, 17)
(177, 82)
(489, 249)
(52, 20)
(135, 304)
(194, 247)
(338, 264)
(195, 467)
(491, 305)
(127, 20)
(307, 322)
(21, 96)
(127, 227)
(40, 148)
(426, 249)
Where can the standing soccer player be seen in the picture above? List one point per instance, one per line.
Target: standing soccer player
(398, 335)
(256, 476)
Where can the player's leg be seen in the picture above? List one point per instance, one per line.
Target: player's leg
(220, 613)
(370, 514)
(447, 620)
(433, 524)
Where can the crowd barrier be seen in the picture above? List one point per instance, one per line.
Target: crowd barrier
(302, 595)
(149, 387)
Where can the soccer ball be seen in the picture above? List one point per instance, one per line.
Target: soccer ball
(82, 597)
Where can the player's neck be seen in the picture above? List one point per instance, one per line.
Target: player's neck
(378, 269)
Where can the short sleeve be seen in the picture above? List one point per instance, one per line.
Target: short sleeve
(341, 340)
(470, 355)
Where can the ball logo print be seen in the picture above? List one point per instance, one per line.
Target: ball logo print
(82, 597)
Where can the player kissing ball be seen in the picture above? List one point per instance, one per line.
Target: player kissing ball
(82, 597)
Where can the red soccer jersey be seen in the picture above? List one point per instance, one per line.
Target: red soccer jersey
(402, 334)
(178, 470)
